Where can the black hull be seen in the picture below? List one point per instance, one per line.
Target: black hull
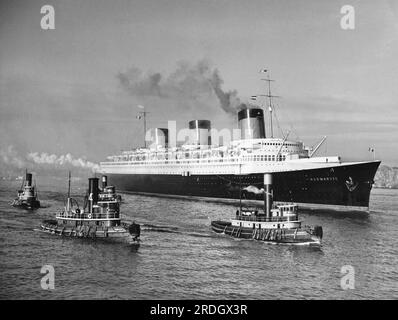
(275, 236)
(29, 205)
(345, 185)
(125, 235)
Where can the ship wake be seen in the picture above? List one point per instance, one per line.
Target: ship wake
(155, 228)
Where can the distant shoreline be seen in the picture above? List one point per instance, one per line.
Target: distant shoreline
(390, 188)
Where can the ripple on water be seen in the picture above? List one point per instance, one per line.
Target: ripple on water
(181, 258)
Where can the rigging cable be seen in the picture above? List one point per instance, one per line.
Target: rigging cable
(292, 128)
(277, 121)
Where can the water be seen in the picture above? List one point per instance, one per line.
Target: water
(181, 258)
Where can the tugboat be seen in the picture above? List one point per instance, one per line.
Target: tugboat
(27, 197)
(100, 217)
(279, 224)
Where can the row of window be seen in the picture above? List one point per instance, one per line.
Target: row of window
(265, 158)
(190, 161)
(279, 144)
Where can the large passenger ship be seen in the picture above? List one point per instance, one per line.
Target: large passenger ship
(200, 169)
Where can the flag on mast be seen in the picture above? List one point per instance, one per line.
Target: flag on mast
(253, 98)
(141, 107)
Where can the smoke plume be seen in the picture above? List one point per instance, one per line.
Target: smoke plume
(254, 189)
(10, 159)
(229, 100)
(9, 156)
(63, 160)
(199, 82)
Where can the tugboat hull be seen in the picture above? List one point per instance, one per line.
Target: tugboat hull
(26, 204)
(125, 233)
(277, 236)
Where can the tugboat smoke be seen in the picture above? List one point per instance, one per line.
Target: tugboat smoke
(68, 159)
(9, 156)
(254, 189)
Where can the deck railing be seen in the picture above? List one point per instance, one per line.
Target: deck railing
(87, 215)
(266, 219)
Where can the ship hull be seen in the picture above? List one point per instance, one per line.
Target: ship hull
(342, 185)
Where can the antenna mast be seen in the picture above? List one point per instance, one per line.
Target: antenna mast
(240, 188)
(270, 105)
(69, 184)
(68, 201)
(269, 96)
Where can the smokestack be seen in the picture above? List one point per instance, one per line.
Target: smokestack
(92, 192)
(28, 179)
(268, 194)
(104, 182)
(200, 132)
(160, 137)
(251, 123)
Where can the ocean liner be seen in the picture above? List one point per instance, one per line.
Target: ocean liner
(197, 168)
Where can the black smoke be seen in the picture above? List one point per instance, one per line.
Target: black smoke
(198, 82)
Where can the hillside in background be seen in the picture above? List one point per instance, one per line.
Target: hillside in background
(386, 177)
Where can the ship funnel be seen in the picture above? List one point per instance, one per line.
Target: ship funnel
(199, 132)
(268, 194)
(28, 179)
(92, 192)
(160, 138)
(251, 123)
(104, 182)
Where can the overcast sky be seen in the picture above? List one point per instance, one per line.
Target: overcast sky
(75, 89)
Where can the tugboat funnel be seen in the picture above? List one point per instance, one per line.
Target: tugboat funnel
(92, 192)
(28, 179)
(268, 194)
(104, 182)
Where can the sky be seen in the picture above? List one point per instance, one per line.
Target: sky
(75, 89)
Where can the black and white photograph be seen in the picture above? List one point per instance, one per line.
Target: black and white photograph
(211, 151)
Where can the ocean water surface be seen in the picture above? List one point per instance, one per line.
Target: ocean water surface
(181, 258)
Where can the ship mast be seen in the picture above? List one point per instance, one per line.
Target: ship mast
(270, 108)
(68, 201)
(269, 96)
(240, 188)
